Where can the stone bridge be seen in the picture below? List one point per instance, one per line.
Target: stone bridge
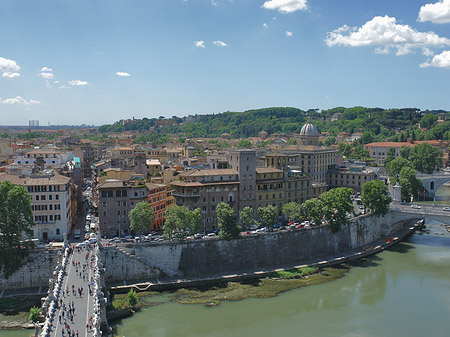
(432, 182)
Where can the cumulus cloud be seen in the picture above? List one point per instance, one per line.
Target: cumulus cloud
(265, 25)
(18, 100)
(438, 61)
(9, 68)
(77, 82)
(288, 33)
(123, 74)
(46, 69)
(47, 75)
(286, 6)
(200, 44)
(214, 3)
(385, 33)
(219, 43)
(438, 12)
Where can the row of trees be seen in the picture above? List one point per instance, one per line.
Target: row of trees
(422, 157)
(332, 208)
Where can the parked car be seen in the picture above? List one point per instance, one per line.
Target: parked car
(446, 209)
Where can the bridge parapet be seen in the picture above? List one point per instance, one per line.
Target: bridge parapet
(50, 303)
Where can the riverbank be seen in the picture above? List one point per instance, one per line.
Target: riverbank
(351, 255)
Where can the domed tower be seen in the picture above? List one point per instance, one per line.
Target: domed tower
(309, 135)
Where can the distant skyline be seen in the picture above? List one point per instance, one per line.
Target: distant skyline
(95, 62)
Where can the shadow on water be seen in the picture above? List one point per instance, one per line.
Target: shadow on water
(430, 240)
(371, 261)
(402, 247)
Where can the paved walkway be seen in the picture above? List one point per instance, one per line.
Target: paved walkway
(75, 311)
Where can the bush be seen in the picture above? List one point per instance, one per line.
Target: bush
(34, 314)
(132, 298)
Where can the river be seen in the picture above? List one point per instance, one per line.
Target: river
(401, 292)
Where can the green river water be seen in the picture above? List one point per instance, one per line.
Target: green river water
(401, 292)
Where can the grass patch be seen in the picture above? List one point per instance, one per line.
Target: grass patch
(267, 287)
(119, 301)
(294, 273)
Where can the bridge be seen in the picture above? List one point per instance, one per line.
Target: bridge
(432, 182)
(75, 304)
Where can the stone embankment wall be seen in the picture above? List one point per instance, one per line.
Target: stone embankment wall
(122, 265)
(38, 267)
(209, 257)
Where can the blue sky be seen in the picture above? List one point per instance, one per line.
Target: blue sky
(95, 62)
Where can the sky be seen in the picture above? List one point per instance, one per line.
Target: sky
(95, 62)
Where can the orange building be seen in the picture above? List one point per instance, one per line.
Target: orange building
(157, 198)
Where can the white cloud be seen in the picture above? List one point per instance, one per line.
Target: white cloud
(18, 100)
(56, 82)
(286, 6)
(9, 68)
(438, 61)
(200, 44)
(77, 82)
(385, 33)
(214, 3)
(265, 25)
(123, 74)
(438, 12)
(219, 43)
(288, 33)
(46, 69)
(47, 75)
(427, 52)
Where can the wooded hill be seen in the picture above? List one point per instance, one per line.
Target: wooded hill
(377, 123)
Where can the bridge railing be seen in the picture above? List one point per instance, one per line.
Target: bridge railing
(54, 291)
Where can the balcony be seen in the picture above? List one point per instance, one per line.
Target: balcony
(186, 195)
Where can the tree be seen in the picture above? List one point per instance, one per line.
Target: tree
(375, 197)
(336, 205)
(394, 167)
(426, 158)
(269, 215)
(345, 149)
(228, 227)
(292, 211)
(313, 209)
(428, 121)
(410, 185)
(390, 156)
(16, 226)
(292, 141)
(180, 222)
(34, 314)
(244, 144)
(367, 137)
(141, 217)
(132, 298)
(331, 140)
(247, 218)
(405, 151)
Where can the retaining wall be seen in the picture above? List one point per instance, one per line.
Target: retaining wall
(213, 256)
(38, 267)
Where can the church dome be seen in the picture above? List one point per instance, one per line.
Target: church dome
(309, 129)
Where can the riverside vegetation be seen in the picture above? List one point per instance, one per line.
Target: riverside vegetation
(270, 286)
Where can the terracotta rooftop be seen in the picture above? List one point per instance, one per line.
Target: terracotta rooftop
(217, 172)
(56, 179)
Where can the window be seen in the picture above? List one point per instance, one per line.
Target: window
(50, 197)
(37, 198)
(118, 194)
(57, 229)
(104, 213)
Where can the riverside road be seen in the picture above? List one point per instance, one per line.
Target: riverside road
(76, 304)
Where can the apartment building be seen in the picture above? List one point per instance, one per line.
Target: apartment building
(351, 177)
(116, 198)
(51, 202)
(157, 198)
(206, 189)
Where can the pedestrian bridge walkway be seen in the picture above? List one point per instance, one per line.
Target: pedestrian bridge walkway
(75, 303)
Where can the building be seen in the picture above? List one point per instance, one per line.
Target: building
(206, 189)
(378, 151)
(270, 188)
(351, 177)
(116, 198)
(243, 163)
(51, 201)
(50, 156)
(157, 198)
